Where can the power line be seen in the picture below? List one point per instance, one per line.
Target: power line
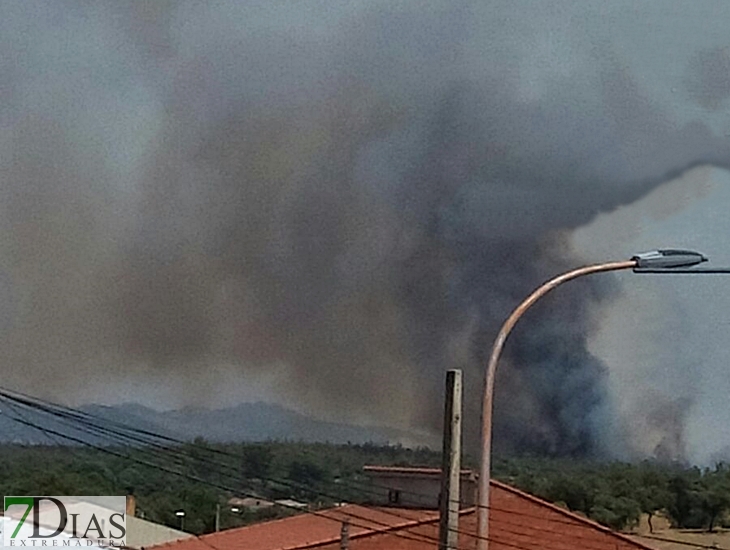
(389, 529)
(272, 480)
(182, 474)
(15, 410)
(89, 421)
(89, 426)
(85, 418)
(69, 414)
(425, 538)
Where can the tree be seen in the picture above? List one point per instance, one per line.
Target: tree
(305, 472)
(684, 499)
(576, 491)
(652, 492)
(616, 512)
(257, 461)
(714, 495)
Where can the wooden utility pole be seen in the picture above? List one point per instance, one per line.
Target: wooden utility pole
(451, 464)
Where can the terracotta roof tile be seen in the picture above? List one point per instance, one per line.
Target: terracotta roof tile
(305, 530)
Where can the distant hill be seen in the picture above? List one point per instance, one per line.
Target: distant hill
(244, 422)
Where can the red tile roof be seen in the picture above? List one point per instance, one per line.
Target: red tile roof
(305, 530)
(518, 521)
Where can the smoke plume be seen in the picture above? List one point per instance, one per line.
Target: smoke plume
(357, 193)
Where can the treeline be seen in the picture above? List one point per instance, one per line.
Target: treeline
(616, 494)
(200, 477)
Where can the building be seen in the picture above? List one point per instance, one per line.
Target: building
(415, 487)
(249, 503)
(518, 521)
(142, 533)
(291, 504)
(254, 504)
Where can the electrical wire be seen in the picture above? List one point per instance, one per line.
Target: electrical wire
(389, 528)
(53, 409)
(188, 476)
(296, 485)
(85, 418)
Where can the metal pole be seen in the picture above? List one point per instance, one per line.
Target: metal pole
(451, 464)
(217, 517)
(487, 402)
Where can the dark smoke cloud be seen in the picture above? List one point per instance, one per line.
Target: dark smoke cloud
(359, 193)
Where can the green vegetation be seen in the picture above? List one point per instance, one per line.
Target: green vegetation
(319, 474)
(617, 493)
(199, 476)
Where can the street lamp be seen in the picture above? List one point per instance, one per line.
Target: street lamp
(657, 261)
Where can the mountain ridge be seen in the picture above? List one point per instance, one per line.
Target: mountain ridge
(245, 422)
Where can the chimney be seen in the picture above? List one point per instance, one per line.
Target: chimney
(131, 505)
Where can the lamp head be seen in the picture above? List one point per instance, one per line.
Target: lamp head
(668, 258)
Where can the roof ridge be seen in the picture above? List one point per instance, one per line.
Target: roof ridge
(567, 513)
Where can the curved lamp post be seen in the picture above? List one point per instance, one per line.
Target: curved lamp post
(658, 261)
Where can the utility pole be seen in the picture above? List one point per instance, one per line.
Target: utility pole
(451, 464)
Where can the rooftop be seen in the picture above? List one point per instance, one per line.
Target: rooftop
(518, 521)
